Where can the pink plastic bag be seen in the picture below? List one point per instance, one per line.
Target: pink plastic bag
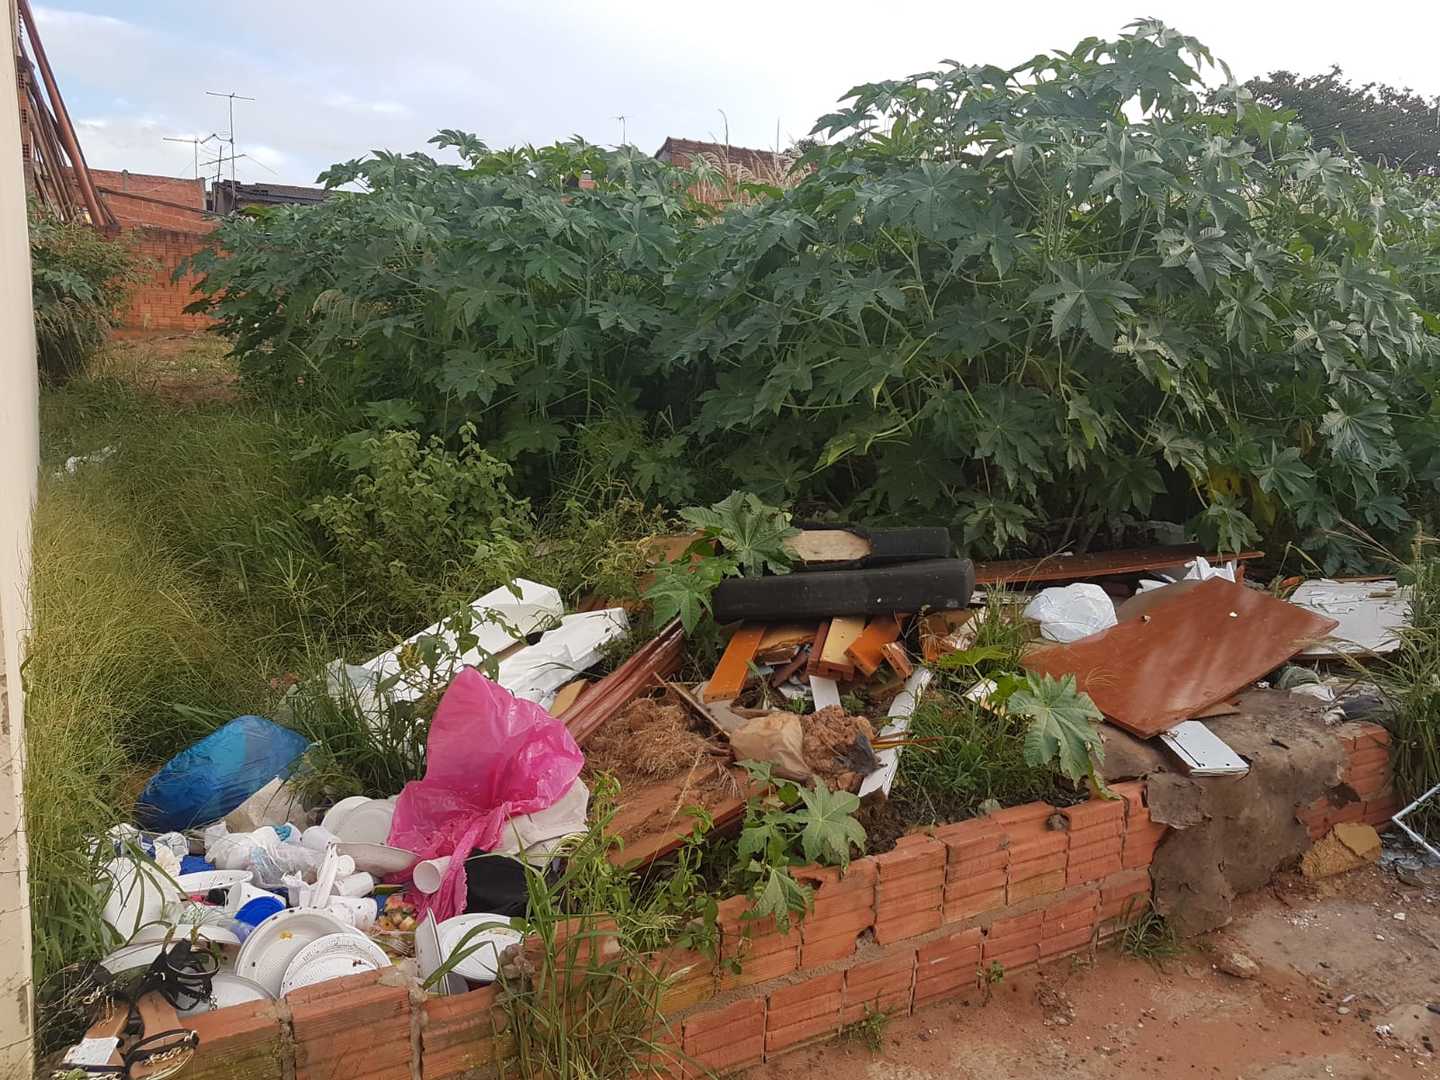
(489, 756)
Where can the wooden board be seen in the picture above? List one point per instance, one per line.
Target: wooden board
(1098, 564)
(729, 676)
(782, 639)
(655, 660)
(653, 823)
(1148, 674)
(827, 545)
(865, 652)
(843, 632)
(816, 647)
(567, 695)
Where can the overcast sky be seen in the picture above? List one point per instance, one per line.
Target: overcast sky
(333, 79)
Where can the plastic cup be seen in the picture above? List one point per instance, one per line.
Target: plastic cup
(429, 874)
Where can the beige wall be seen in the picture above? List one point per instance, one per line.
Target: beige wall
(19, 452)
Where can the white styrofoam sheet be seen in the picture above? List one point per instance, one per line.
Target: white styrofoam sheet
(1369, 613)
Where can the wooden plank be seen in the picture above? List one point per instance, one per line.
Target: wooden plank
(844, 632)
(816, 647)
(827, 545)
(652, 823)
(729, 676)
(567, 695)
(865, 651)
(1148, 674)
(1098, 564)
(781, 640)
(653, 661)
(898, 659)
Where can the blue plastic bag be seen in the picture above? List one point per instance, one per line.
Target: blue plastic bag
(217, 774)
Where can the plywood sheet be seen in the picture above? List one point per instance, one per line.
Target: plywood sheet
(1148, 674)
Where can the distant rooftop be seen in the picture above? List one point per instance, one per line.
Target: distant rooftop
(680, 152)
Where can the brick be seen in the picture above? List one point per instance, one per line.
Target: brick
(891, 930)
(1081, 902)
(946, 983)
(1114, 827)
(967, 907)
(1368, 755)
(1038, 846)
(926, 899)
(793, 1036)
(737, 1015)
(1022, 956)
(719, 1038)
(846, 922)
(1131, 793)
(1112, 845)
(970, 866)
(1073, 940)
(815, 997)
(1014, 816)
(1094, 870)
(1094, 812)
(887, 892)
(1016, 891)
(1380, 810)
(243, 1042)
(945, 950)
(741, 1054)
(462, 1034)
(833, 879)
(964, 839)
(1365, 734)
(927, 854)
(884, 986)
(827, 950)
(969, 885)
(759, 969)
(1032, 868)
(332, 1023)
(1015, 925)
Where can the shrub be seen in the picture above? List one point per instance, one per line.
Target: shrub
(1043, 303)
(79, 276)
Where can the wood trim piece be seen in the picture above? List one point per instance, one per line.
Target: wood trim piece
(866, 650)
(729, 676)
(1098, 564)
(653, 661)
(833, 663)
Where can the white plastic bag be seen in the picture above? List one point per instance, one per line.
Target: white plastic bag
(1072, 612)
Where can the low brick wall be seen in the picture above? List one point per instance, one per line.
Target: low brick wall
(159, 302)
(894, 933)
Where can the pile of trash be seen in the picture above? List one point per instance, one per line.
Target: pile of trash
(818, 679)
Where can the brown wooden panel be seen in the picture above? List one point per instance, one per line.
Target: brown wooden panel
(1149, 673)
(1096, 564)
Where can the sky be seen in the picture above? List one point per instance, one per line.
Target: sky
(335, 79)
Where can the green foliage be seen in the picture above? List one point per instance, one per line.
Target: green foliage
(1378, 122)
(1043, 302)
(869, 1031)
(1062, 731)
(775, 837)
(78, 277)
(752, 533)
(1410, 681)
(416, 524)
(1147, 936)
(751, 537)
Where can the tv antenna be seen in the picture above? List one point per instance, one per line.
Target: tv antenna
(196, 142)
(229, 136)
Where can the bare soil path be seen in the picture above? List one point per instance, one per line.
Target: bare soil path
(1336, 964)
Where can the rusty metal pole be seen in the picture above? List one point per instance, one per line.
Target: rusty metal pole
(98, 216)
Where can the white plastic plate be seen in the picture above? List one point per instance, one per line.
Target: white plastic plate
(484, 946)
(267, 952)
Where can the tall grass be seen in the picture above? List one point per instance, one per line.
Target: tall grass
(121, 635)
(1411, 681)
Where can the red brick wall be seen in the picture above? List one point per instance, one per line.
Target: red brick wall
(1365, 792)
(159, 302)
(894, 933)
(167, 202)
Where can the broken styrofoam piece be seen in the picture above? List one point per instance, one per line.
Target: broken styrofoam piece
(1202, 752)
(1071, 612)
(537, 672)
(501, 618)
(1317, 690)
(826, 692)
(1371, 614)
(537, 837)
(899, 716)
(1399, 819)
(1197, 569)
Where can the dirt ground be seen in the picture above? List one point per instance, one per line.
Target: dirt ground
(1341, 991)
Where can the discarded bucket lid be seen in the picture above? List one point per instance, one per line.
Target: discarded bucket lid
(258, 910)
(332, 957)
(482, 946)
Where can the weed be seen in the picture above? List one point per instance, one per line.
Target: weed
(1147, 936)
(870, 1030)
(1411, 682)
(989, 978)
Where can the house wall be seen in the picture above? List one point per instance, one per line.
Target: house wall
(19, 463)
(158, 304)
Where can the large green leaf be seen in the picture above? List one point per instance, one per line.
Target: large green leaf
(752, 533)
(830, 827)
(1061, 732)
